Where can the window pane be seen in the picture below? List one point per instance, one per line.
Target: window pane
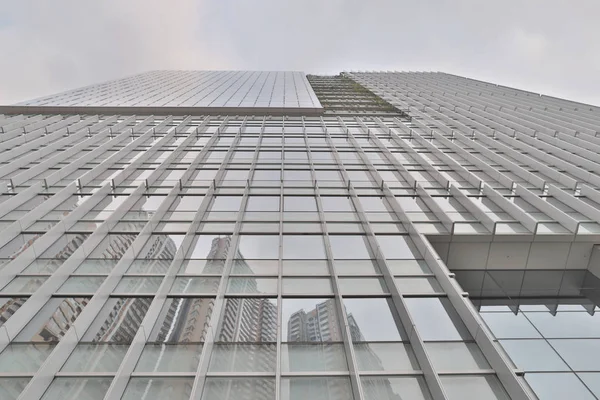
(158, 389)
(119, 320)
(24, 284)
(580, 354)
(226, 203)
(160, 357)
(408, 267)
(8, 307)
(263, 203)
(154, 266)
(506, 325)
(252, 285)
(195, 285)
(307, 286)
(330, 388)
(210, 247)
(239, 388)
(372, 320)
(313, 357)
(95, 358)
(310, 320)
(259, 247)
(336, 204)
(255, 267)
(436, 319)
(474, 387)
(243, 358)
(305, 267)
(385, 357)
(81, 284)
(396, 247)
(24, 358)
(96, 266)
(87, 388)
(11, 388)
(183, 319)
(395, 388)
(456, 356)
(362, 286)
(53, 320)
(299, 203)
(417, 285)
(356, 267)
(138, 284)
(566, 324)
(303, 247)
(248, 319)
(349, 247)
(558, 386)
(533, 355)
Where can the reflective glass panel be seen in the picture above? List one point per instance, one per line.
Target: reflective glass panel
(158, 388)
(24, 358)
(258, 247)
(307, 286)
(303, 247)
(119, 320)
(183, 319)
(362, 286)
(533, 355)
(243, 358)
(11, 388)
(248, 319)
(138, 284)
(81, 284)
(161, 357)
(88, 388)
(558, 386)
(473, 387)
(456, 356)
(239, 388)
(436, 319)
(53, 320)
(95, 358)
(310, 320)
(348, 247)
(372, 320)
(394, 388)
(252, 285)
(326, 388)
(313, 357)
(385, 357)
(195, 285)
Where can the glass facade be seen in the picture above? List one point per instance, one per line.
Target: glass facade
(423, 245)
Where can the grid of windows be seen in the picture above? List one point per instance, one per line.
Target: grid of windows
(259, 257)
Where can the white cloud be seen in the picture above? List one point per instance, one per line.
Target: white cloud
(540, 45)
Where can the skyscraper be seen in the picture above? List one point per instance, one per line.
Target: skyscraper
(274, 235)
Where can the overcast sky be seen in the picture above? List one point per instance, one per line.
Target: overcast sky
(546, 46)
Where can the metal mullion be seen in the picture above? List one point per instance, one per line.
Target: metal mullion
(205, 356)
(342, 317)
(431, 377)
(280, 266)
(69, 342)
(136, 348)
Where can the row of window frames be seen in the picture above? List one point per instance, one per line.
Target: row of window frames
(252, 267)
(144, 284)
(457, 387)
(159, 358)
